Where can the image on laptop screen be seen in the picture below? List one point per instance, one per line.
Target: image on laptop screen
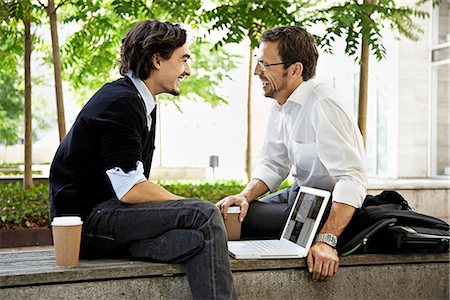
(302, 219)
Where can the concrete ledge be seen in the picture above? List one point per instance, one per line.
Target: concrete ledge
(408, 184)
(433, 202)
(416, 276)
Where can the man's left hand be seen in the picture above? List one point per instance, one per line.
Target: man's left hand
(322, 261)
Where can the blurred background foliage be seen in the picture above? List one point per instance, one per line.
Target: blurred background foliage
(94, 28)
(21, 208)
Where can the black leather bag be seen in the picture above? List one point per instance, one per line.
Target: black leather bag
(386, 224)
(401, 239)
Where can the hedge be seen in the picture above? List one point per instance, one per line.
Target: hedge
(21, 208)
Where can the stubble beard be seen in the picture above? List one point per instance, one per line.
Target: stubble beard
(174, 92)
(276, 90)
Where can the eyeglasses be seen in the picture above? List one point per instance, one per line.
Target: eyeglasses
(264, 66)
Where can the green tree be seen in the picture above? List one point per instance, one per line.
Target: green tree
(51, 9)
(245, 21)
(11, 91)
(17, 17)
(11, 105)
(91, 53)
(361, 24)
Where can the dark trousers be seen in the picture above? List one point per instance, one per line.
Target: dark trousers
(266, 217)
(117, 229)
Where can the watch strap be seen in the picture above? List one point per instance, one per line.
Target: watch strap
(327, 238)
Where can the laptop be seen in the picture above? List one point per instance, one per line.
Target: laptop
(298, 233)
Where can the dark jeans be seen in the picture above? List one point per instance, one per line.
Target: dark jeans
(113, 228)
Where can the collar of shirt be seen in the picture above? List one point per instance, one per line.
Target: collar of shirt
(300, 95)
(149, 100)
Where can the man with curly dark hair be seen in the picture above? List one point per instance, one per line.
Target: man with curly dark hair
(100, 171)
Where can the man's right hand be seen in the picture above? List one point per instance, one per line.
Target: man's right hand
(239, 200)
(254, 189)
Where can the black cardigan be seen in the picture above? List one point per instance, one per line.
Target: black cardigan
(110, 131)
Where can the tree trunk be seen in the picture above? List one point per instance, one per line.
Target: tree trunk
(27, 178)
(248, 152)
(364, 83)
(363, 89)
(57, 69)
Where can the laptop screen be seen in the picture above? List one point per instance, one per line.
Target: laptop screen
(302, 218)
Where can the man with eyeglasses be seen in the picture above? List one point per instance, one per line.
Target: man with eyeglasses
(309, 131)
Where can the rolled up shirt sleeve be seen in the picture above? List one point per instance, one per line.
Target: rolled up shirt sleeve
(274, 165)
(341, 150)
(268, 171)
(348, 192)
(122, 181)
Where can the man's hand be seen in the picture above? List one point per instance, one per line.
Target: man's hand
(253, 189)
(239, 200)
(322, 261)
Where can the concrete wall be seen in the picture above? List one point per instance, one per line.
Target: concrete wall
(359, 277)
(413, 74)
(430, 197)
(442, 89)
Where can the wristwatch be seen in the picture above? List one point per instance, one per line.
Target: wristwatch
(327, 238)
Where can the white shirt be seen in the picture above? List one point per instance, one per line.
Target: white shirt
(123, 182)
(144, 93)
(313, 134)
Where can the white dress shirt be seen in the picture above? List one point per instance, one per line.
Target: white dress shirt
(122, 182)
(313, 134)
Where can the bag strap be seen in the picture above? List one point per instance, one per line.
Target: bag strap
(406, 217)
(361, 239)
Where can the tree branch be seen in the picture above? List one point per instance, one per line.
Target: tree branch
(42, 5)
(60, 4)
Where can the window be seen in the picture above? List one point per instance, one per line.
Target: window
(440, 91)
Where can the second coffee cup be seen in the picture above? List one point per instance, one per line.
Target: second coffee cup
(232, 223)
(66, 239)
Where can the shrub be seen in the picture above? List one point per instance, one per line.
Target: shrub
(211, 191)
(21, 208)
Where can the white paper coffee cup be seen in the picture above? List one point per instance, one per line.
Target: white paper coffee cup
(66, 240)
(232, 223)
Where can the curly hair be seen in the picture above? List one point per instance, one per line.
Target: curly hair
(295, 44)
(144, 40)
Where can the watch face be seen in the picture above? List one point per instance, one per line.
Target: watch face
(327, 238)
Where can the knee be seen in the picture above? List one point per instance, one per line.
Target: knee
(210, 210)
(209, 213)
(205, 207)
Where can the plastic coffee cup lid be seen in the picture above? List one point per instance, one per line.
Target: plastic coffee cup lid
(234, 209)
(67, 221)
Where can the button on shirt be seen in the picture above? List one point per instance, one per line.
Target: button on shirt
(313, 134)
(122, 182)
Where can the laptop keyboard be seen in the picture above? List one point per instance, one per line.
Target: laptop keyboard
(271, 246)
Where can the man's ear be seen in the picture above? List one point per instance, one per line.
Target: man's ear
(298, 69)
(156, 60)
